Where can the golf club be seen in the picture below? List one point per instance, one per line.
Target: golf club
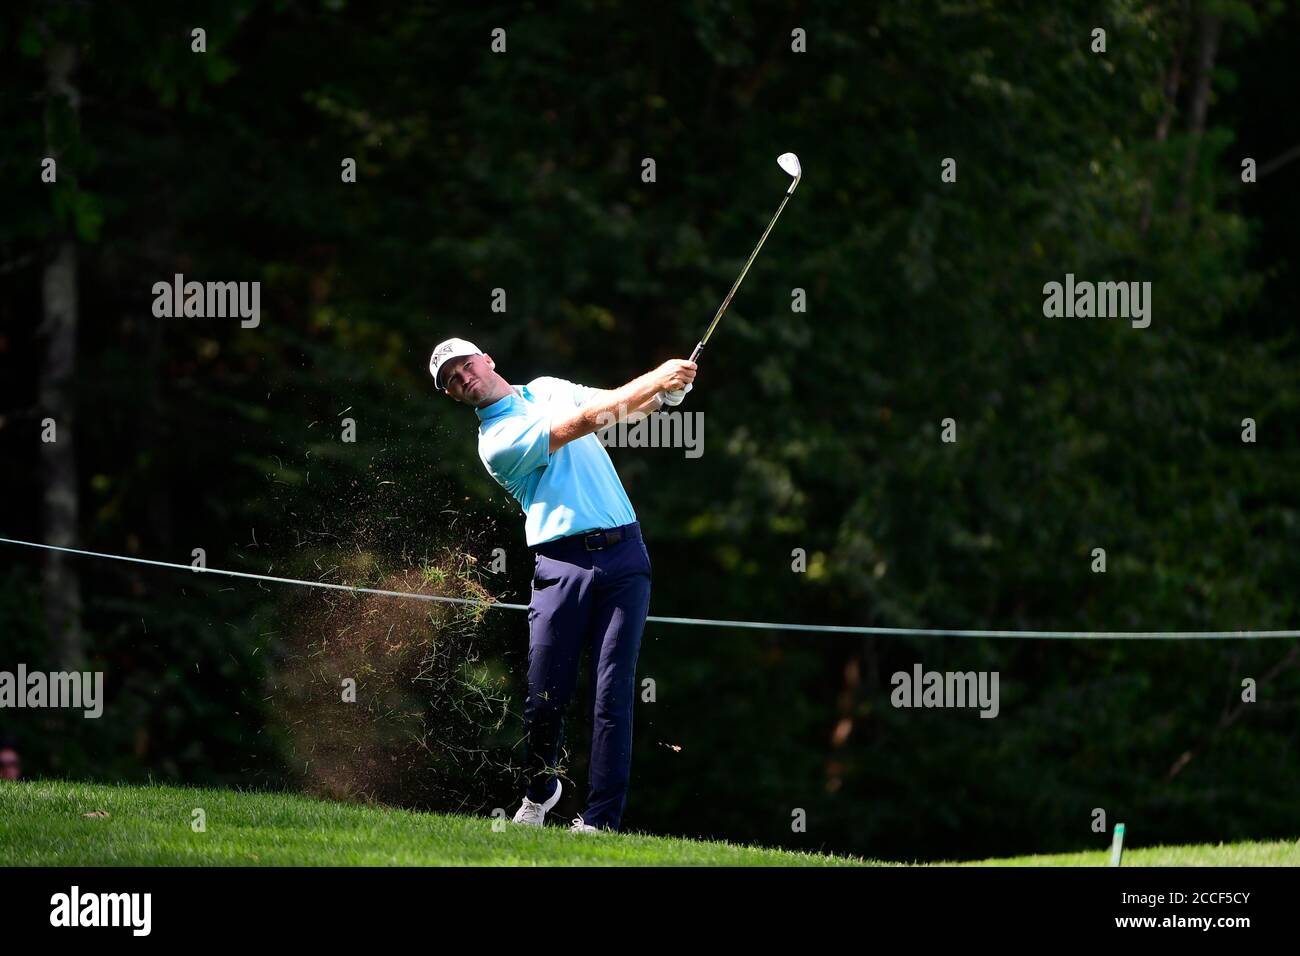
(789, 162)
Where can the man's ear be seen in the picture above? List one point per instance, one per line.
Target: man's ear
(490, 364)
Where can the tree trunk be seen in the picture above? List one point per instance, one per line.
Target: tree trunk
(1205, 56)
(1173, 82)
(61, 586)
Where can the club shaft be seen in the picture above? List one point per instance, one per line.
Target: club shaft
(740, 278)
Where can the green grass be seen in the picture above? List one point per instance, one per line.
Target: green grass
(1249, 853)
(44, 823)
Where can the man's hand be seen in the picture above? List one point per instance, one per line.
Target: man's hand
(678, 376)
(675, 375)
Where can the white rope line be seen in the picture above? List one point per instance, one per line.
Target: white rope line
(266, 577)
(697, 621)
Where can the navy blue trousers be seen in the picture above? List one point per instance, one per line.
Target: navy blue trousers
(592, 601)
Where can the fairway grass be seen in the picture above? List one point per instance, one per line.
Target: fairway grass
(45, 823)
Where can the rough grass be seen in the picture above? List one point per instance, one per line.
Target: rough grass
(45, 823)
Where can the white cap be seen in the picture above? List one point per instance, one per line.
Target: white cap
(450, 349)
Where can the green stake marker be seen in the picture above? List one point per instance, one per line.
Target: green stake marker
(1117, 845)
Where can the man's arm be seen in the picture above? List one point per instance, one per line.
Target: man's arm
(637, 395)
(653, 405)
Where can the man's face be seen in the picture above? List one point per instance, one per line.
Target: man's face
(468, 378)
(10, 768)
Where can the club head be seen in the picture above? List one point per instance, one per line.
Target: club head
(789, 162)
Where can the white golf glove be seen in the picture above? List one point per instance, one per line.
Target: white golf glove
(676, 396)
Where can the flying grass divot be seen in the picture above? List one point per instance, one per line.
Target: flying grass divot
(393, 701)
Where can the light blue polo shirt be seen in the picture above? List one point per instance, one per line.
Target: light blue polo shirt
(574, 490)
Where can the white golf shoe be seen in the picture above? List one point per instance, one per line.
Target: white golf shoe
(532, 814)
(580, 827)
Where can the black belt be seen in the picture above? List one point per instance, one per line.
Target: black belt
(597, 540)
(600, 540)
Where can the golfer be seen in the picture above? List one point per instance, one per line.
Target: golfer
(591, 576)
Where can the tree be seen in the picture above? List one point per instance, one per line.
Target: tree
(61, 584)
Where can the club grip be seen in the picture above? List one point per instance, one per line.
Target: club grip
(695, 356)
